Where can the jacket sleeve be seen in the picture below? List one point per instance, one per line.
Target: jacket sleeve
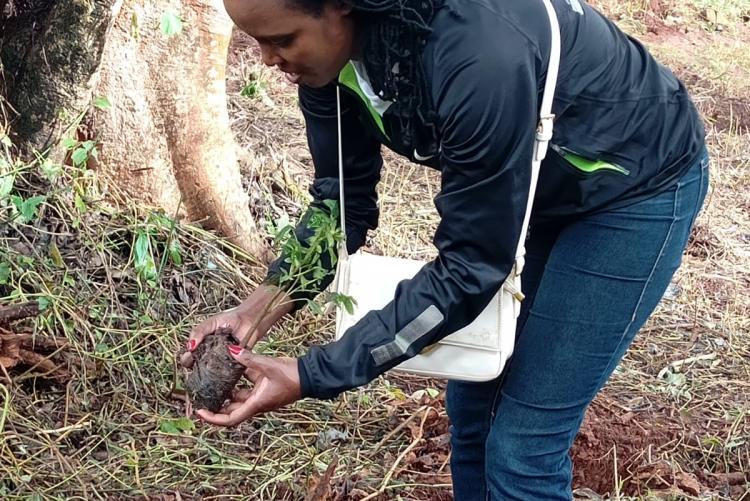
(362, 164)
(487, 107)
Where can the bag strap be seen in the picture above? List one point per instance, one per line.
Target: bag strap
(541, 141)
(544, 127)
(343, 253)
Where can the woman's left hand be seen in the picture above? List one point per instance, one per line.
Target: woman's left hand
(276, 384)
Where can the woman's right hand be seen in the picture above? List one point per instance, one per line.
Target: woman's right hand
(253, 314)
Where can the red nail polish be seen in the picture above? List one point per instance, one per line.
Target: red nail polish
(191, 345)
(235, 349)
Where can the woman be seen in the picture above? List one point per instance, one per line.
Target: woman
(455, 85)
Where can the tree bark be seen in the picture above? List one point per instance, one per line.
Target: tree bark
(165, 140)
(52, 50)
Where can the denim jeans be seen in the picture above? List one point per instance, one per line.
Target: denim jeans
(590, 285)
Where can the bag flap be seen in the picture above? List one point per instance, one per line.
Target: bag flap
(372, 280)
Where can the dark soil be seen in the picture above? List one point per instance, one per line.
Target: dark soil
(617, 446)
(215, 373)
(725, 112)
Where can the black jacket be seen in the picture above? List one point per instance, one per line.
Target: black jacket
(625, 129)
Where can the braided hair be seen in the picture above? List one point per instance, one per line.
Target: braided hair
(393, 35)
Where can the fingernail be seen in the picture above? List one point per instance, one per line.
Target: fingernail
(235, 349)
(191, 345)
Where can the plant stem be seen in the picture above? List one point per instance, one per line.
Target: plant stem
(261, 317)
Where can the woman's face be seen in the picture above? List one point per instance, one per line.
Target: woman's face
(311, 50)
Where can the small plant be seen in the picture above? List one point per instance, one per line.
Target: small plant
(143, 257)
(305, 261)
(255, 88)
(306, 264)
(252, 89)
(81, 151)
(22, 210)
(171, 24)
(26, 208)
(146, 242)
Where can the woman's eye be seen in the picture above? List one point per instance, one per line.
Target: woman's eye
(282, 42)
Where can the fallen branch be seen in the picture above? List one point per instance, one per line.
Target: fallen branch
(14, 312)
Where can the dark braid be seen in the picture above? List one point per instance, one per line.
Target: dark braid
(392, 45)
(393, 34)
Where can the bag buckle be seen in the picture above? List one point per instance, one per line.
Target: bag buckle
(543, 136)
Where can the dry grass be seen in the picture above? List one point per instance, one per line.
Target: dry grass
(112, 431)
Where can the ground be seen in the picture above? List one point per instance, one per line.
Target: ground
(98, 414)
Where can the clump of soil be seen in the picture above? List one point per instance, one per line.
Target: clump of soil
(215, 373)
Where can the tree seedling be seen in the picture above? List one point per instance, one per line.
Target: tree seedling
(306, 264)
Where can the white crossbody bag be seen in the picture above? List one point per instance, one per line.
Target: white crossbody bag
(477, 352)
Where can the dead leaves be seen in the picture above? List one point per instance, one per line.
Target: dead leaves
(22, 348)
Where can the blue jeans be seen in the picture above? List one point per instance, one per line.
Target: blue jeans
(590, 285)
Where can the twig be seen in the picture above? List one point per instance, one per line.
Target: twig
(397, 429)
(679, 363)
(417, 439)
(6, 407)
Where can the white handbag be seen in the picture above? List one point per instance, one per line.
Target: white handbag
(477, 352)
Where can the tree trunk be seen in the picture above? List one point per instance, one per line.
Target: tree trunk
(51, 50)
(165, 140)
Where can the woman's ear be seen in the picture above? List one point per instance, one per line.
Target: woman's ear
(341, 7)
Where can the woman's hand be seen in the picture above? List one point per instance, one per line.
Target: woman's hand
(276, 384)
(256, 313)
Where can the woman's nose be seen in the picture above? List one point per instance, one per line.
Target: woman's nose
(270, 57)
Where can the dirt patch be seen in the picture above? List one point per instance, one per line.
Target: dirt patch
(703, 243)
(615, 446)
(214, 374)
(724, 112)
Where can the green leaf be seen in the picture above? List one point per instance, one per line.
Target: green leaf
(333, 206)
(432, 392)
(319, 273)
(161, 220)
(711, 442)
(69, 143)
(252, 89)
(80, 203)
(184, 424)
(43, 302)
(4, 273)
(315, 307)
(135, 31)
(102, 103)
(5, 140)
(50, 169)
(175, 251)
(176, 426)
(675, 379)
(168, 426)
(144, 261)
(57, 258)
(397, 393)
(6, 185)
(346, 302)
(79, 156)
(27, 208)
(171, 24)
(146, 319)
